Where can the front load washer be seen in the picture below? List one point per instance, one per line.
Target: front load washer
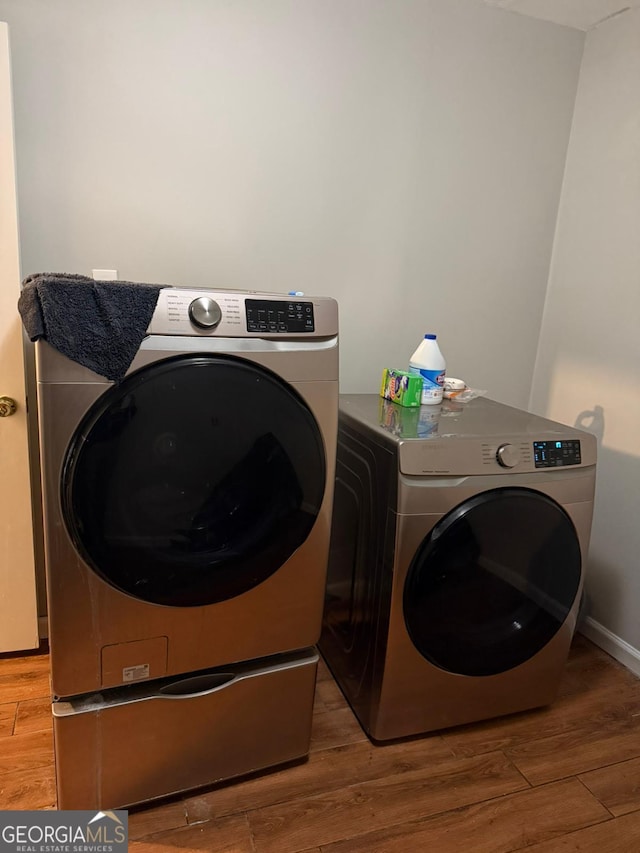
(456, 563)
(187, 513)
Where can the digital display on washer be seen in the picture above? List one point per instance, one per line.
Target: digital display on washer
(552, 454)
(269, 315)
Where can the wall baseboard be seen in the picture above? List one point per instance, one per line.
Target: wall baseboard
(612, 644)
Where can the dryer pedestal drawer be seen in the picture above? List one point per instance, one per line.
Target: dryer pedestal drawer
(133, 744)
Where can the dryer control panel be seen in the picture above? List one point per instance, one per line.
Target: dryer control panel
(469, 456)
(553, 454)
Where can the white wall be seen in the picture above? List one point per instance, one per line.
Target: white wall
(588, 367)
(404, 156)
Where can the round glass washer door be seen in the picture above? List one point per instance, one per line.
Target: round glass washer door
(193, 480)
(493, 582)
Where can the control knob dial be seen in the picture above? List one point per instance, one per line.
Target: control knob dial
(205, 312)
(507, 456)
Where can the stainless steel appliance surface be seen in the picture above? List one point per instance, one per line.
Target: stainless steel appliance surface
(187, 508)
(140, 743)
(456, 565)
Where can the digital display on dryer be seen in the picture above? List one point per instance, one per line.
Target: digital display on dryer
(270, 315)
(554, 454)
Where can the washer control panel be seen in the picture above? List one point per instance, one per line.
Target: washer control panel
(554, 454)
(270, 315)
(238, 314)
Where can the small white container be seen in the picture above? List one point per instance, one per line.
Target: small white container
(429, 362)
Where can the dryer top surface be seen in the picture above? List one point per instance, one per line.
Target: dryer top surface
(480, 436)
(479, 418)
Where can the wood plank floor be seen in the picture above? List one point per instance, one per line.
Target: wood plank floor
(563, 778)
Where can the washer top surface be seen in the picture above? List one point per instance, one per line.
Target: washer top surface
(231, 321)
(477, 437)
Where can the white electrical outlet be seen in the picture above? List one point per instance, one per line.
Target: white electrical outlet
(105, 275)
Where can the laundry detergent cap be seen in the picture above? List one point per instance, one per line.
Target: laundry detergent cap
(431, 337)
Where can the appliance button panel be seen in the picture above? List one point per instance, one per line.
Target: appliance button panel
(555, 454)
(270, 315)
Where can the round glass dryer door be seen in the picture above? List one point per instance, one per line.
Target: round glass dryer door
(493, 582)
(193, 480)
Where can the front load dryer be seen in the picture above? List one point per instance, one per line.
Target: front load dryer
(187, 515)
(456, 564)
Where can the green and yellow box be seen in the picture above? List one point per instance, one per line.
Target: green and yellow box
(401, 387)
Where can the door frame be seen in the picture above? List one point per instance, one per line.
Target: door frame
(18, 602)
